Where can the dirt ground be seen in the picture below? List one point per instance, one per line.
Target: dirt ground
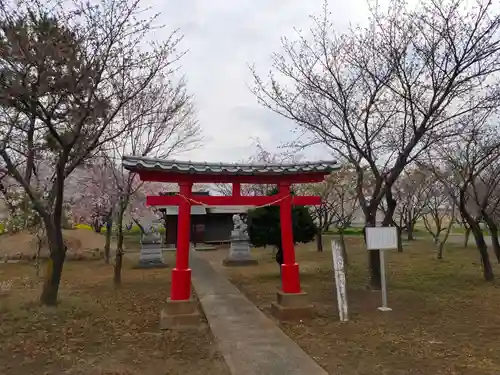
(97, 329)
(445, 318)
(79, 241)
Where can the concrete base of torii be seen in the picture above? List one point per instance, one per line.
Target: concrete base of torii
(180, 315)
(291, 306)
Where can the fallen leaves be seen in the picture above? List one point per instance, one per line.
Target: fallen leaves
(444, 321)
(97, 329)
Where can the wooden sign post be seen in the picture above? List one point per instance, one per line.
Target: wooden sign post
(340, 280)
(382, 238)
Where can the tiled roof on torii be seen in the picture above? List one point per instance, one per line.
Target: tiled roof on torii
(137, 164)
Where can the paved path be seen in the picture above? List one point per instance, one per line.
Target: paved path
(251, 343)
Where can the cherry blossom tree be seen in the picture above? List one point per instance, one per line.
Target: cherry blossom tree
(21, 214)
(162, 123)
(138, 209)
(67, 74)
(96, 199)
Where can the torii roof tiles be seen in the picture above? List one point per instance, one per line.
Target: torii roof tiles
(136, 164)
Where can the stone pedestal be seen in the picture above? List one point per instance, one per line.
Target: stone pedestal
(151, 252)
(291, 306)
(179, 315)
(239, 252)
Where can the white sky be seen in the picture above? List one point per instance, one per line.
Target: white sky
(223, 38)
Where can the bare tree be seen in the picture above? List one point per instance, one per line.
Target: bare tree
(323, 215)
(380, 96)
(261, 156)
(66, 73)
(439, 213)
(485, 195)
(346, 203)
(408, 195)
(463, 169)
(458, 219)
(160, 123)
(412, 194)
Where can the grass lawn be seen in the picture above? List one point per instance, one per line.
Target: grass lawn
(97, 330)
(445, 318)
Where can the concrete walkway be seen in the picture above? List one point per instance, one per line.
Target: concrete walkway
(251, 343)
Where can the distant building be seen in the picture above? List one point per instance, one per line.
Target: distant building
(208, 224)
(358, 218)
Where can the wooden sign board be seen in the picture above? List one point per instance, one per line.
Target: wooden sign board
(380, 238)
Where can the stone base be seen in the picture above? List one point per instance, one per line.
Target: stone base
(205, 248)
(147, 265)
(239, 262)
(291, 306)
(179, 315)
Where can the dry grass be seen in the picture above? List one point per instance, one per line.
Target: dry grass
(97, 329)
(24, 244)
(445, 318)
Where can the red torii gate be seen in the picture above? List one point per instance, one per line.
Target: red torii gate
(188, 173)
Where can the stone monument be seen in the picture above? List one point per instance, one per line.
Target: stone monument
(239, 252)
(151, 249)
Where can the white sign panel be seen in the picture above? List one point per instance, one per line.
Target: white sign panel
(380, 238)
(340, 280)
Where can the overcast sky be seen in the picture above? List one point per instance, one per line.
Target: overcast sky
(223, 38)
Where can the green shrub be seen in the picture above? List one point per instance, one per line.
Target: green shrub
(265, 225)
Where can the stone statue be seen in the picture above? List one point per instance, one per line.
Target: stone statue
(151, 255)
(240, 226)
(148, 228)
(239, 252)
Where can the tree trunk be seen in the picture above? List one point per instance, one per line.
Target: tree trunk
(400, 239)
(478, 236)
(466, 236)
(39, 244)
(117, 276)
(96, 225)
(494, 236)
(446, 234)
(483, 252)
(141, 228)
(409, 231)
(373, 257)
(343, 246)
(54, 265)
(279, 257)
(319, 240)
(107, 245)
(440, 250)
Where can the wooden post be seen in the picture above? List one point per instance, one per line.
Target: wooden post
(181, 274)
(340, 280)
(290, 280)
